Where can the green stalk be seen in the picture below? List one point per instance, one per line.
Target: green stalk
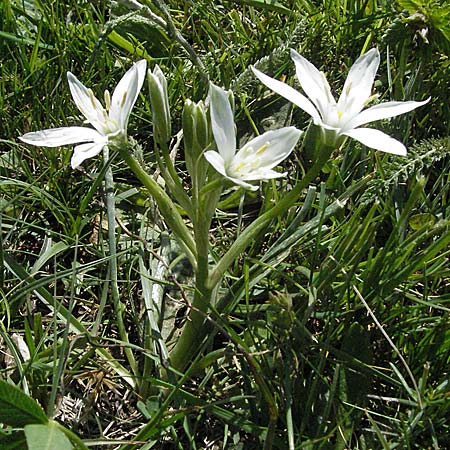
(193, 333)
(119, 308)
(165, 205)
(250, 233)
(195, 329)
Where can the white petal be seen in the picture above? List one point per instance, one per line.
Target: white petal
(358, 85)
(126, 94)
(216, 160)
(314, 83)
(222, 122)
(87, 103)
(384, 111)
(289, 93)
(85, 151)
(378, 140)
(272, 147)
(56, 137)
(265, 174)
(242, 183)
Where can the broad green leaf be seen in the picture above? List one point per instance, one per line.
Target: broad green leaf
(17, 409)
(46, 437)
(12, 441)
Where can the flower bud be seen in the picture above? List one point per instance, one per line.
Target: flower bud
(196, 134)
(160, 105)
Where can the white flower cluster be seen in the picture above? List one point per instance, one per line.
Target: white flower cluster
(256, 159)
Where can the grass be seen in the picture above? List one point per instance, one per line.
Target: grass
(335, 334)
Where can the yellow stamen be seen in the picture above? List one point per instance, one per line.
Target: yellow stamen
(239, 167)
(123, 99)
(92, 98)
(107, 98)
(262, 149)
(349, 88)
(340, 114)
(371, 99)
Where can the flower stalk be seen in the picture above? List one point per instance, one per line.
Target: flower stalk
(119, 308)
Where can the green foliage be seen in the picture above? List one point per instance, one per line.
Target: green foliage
(46, 437)
(17, 409)
(368, 239)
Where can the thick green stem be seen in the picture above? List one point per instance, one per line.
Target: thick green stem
(165, 205)
(193, 332)
(250, 233)
(119, 308)
(206, 282)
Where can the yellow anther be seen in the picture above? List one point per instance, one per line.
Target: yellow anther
(239, 167)
(371, 99)
(107, 98)
(123, 99)
(349, 88)
(263, 148)
(92, 98)
(340, 114)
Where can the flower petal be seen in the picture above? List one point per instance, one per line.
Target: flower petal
(314, 83)
(378, 140)
(358, 85)
(265, 174)
(56, 137)
(126, 94)
(289, 93)
(216, 160)
(384, 111)
(87, 103)
(270, 148)
(222, 122)
(242, 183)
(85, 151)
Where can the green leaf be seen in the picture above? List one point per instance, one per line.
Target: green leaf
(12, 441)
(46, 437)
(273, 5)
(49, 250)
(17, 409)
(357, 344)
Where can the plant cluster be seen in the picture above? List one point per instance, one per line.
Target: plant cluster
(180, 290)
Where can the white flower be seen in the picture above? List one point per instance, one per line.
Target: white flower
(255, 160)
(343, 118)
(110, 123)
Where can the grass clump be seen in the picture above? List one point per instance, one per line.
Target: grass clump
(331, 328)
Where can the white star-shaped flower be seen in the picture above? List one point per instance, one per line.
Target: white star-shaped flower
(256, 159)
(110, 123)
(344, 117)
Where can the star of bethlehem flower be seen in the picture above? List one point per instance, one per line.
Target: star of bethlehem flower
(110, 123)
(256, 159)
(344, 117)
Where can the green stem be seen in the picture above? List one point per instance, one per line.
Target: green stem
(250, 233)
(165, 205)
(172, 179)
(119, 308)
(193, 331)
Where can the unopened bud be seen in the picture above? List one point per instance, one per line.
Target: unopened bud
(160, 105)
(197, 135)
